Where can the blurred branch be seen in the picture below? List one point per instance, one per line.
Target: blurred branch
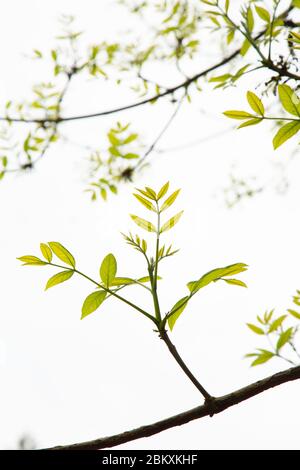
(183, 85)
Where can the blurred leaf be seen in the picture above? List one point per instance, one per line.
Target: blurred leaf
(276, 323)
(294, 314)
(263, 357)
(284, 338)
(256, 329)
(263, 13)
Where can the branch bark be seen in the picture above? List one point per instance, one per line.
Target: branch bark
(220, 404)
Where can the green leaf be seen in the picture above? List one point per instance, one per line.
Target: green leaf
(62, 253)
(215, 275)
(122, 281)
(147, 279)
(92, 302)
(146, 193)
(250, 19)
(245, 47)
(151, 192)
(178, 308)
(171, 222)
(234, 114)
(263, 14)
(294, 314)
(289, 99)
(171, 199)
(251, 122)
(221, 78)
(255, 329)
(145, 224)
(130, 156)
(235, 282)
(263, 357)
(145, 202)
(163, 190)
(33, 260)
(59, 278)
(46, 252)
(284, 338)
(276, 323)
(285, 133)
(255, 103)
(108, 269)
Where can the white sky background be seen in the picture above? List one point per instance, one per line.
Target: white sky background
(64, 380)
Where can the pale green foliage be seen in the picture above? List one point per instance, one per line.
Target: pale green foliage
(279, 333)
(157, 202)
(290, 103)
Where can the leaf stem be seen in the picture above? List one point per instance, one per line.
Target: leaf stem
(111, 292)
(164, 336)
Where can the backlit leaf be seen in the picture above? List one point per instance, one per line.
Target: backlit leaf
(256, 329)
(276, 323)
(145, 202)
(284, 338)
(235, 114)
(286, 132)
(178, 308)
(46, 252)
(59, 278)
(145, 224)
(108, 269)
(33, 260)
(255, 103)
(92, 302)
(171, 199)
(294, 314)
(171, 222)
(215, 275)
(289, 99)
(235, 282)
(162, 192)
(62, 253)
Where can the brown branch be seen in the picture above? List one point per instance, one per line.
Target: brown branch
(220, 404)
(169, 91)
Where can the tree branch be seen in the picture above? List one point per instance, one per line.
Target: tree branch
(220, 404)
(169, 91)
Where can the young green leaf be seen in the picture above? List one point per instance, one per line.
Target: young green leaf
(92, 302)
(294, 314)
(234, 114)
(289, 99)
(277, 323)
(145, 193)
(62, 253)
(251, 122)
(263, 13)
(171, 199)
(215, 275)
(235, 282)
(145, 202)
(178, 308)
(285, 133)
(59, 278)
(256, 329)
(171, 222)
(163, 191)
(284, 338)
(145, 224)
(108, 269)
(151, 192)
(31, 260)
(245, 47)
(263, 357)
(46, 252)
(255, 103)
